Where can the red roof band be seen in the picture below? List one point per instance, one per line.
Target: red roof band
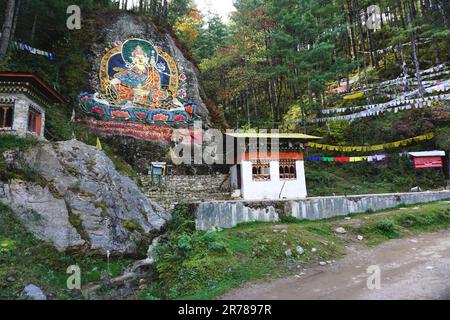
(46, 88)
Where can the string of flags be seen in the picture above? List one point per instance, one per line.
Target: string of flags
(373, 158)
(393, 47)
(403, 80)
(400, 82)
(18, 45)
(445, 86)
(395, 102)
(379, 147)
(386, 107)
(24, 47)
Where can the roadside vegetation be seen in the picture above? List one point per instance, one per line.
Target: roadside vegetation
(404, 222)
(395, 175)
(25, 260)
(202, 265)
(9, 142)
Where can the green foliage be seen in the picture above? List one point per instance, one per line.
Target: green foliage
(386, 227)
(405, 221)
(288, 219)
(132, 226)
(201, 265)
(29, 260)
(395, 175)
(211, 38)
(12, 142)
(20, 170)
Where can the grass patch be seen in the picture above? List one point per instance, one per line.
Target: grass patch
(396, 175)
(202, 265)
(22, 171)
(406, 221)
(32, 261)
(132, 226)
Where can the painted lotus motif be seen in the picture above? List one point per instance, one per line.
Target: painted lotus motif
(138, 82)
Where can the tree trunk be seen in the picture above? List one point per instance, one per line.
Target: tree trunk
(373, 61)
(7, 27)
(16, 17)
(414, 51)
(446, 166)
(363, 49)
(436, 51)
(33, 30)
(352, 30)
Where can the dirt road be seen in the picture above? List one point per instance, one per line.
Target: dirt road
(414, 268)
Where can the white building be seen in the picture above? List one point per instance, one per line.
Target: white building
(23, 99)
(271, 167)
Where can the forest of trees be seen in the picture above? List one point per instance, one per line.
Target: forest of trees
(280, 55)
(41, 22)
(274, 59)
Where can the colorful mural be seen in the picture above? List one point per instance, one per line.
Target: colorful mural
(136, 130)
(138, 82)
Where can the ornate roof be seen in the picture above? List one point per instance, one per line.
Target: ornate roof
(30, 84)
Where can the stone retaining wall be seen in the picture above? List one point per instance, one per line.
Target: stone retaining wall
(183, 188)
(228, 214)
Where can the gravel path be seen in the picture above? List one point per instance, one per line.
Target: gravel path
(413, 268)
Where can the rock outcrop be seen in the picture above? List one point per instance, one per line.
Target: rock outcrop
(82, 201)
(119, 26)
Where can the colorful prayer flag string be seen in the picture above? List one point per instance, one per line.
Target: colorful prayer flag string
(390, 145)
(24, 47)
(373, 158)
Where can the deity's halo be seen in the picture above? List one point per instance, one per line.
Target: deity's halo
(130, 45)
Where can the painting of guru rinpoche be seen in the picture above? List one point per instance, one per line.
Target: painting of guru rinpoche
(139, 82)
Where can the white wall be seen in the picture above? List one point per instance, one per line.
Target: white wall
(21, 108)
(234, 177)
(270, 190)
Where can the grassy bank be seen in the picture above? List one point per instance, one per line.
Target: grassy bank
(201, 265)
(30, 261)
(13, 142)
(395, 175)
(404, 222)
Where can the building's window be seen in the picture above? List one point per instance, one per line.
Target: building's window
(288, 170)
(261, 171)
(34, 122)
(6, 116)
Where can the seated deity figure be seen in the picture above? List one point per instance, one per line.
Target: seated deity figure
(140, 83)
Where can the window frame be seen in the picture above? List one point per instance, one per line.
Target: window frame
(9, 108)
(260, 176)
(288, 170)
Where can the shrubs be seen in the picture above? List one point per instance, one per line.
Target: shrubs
(406, 222)
(385, 226)
(285, 218)
(20, 170)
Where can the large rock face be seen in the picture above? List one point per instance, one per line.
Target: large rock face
(141, 88)
(125, 25)
(84, 202)
(141, 85)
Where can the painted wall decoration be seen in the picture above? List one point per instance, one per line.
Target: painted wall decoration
(135, 130)
(138, 82)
